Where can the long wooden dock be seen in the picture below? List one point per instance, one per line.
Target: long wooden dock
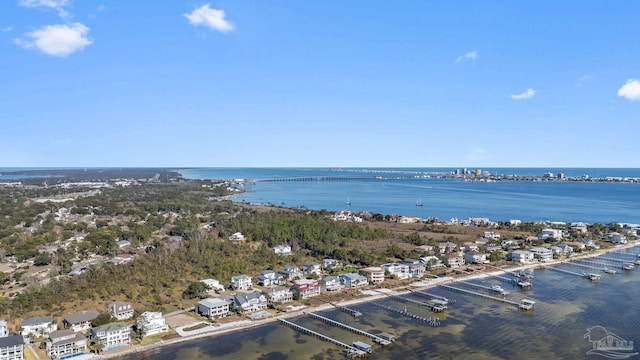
(500, 291)
(578, 263)
(355, 330)
(432, 307)
(603, 265)
(470, 292)
(565, 271)
(351, 351)
(350, 311)
(612, 259)
(430, 321)
(431, 296)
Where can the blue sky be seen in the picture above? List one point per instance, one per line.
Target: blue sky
(320, 83)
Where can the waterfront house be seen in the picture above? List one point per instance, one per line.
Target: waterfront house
(550, 233)
(237, 237)
(291, 272)
(416, 268)
(213, 307)
(269, 278)
(475, 257)
(331, 283)
(11, 347)
(282, 250)
(397, 270)
(278, 294)
(431, 262)
(579, 227)
(353, 280)
(515, 222)
(543, 254)
(310, 268)
(213, 285)
(121, 310)
(306, 288)
(522, 256)
(80, 321)
(63, 343)
(330, 264)
(374, 274)
(112, 335)
(151, 323)
(577, 245)
(453, 260)
(38, 326)
(616, 238)
(565, 249)
(242, 282)
(251, 302)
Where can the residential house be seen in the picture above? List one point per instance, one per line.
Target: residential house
(283, 250)
(522, 256)
(123, 244)
(579, 227)
(306, 288)
(550, 233)
(490, 247)
(12, 347)
(237, 237)
(242, 282)
(374, 274)
(63, 343)
(151, 323)
(475, 257)
(491, 235)
(416, 268)
(397, 270)
(565, 249)
(38, 326)
(453, 260)
(542, 253)
(112, 335)
(269, 278)
(446, 247)
(310, 268)
(80, 321)
(330, 264)
(251, 302)
(331, 283)
(291, 272)
(4, 330)
(425, 248)
(278, 294)
(353, 280)
(515, 222)
(213, 307)
(431, 262)
(121, 310)
(470, 247)
(213, 285)
(616, 238)
(588, 243)
(577, 245)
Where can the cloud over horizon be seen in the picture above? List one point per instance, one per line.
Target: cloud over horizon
(57, 40)
(630, 90)
(211, 18)
(525, 95)
(471, 55)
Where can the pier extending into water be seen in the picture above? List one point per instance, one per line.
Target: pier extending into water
(470, 292)
(375, 338)
(431, 296)
(350, 311)
(577, 263)
(604, 267)
(434, 307)
(351, 351)
(431, 321)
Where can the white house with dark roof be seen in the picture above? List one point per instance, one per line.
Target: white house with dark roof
(213, 285)
(80, 321)
(121, 310)
(397, 270)
(64, 343)
(475, 257)
(151, 323)
(353, 280)
(544, 254)
(213, 307)
(12, 347)
(278, 294)
(269, 278)
(331, 283)
(291, 272)
(112, 335)
(251, 302)
(242, 282)
(310, 268)
(330, 264)
(38, 326)
(522, 256)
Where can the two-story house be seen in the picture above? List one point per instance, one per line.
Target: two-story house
(80, 321)
(331, 283)
(213, 307)
(63, 343)
(291, 272)
(121, 310)
(251, 302)
(38, 326)
(151, 323)
(242, 282)
(112, 335)
(310, 268)
(278, 294)
(306, 288)
(353, 280)
(269, 278)
(374, 274)
(12, 347)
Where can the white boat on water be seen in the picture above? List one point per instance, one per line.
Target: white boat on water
(419, 202)
(499, 289)
(609, 271)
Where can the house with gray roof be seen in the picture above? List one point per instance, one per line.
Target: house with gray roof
(213, 307)
(251, 302)
(353, 280)
(112, 335)
(12, 347)
(38, 326)
(80, 321)
(63, 343)
(121, 310)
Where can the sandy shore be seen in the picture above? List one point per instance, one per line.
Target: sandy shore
(370, 295)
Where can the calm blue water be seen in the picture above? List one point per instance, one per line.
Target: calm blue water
(398, 190)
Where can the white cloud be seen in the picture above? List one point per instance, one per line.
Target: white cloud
(525, 95)
(583, 79)
(211, 18)
(471, 55)
(630, 90)
(57, 5)
(7, 28)
(57, 40)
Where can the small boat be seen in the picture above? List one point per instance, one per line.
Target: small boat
(592, 277)
(609, 271)
(348, 202)
(628, 266)
(499, 289)
(524, 284)
(419, 202)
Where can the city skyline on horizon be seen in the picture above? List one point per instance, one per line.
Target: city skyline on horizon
(298, 84)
